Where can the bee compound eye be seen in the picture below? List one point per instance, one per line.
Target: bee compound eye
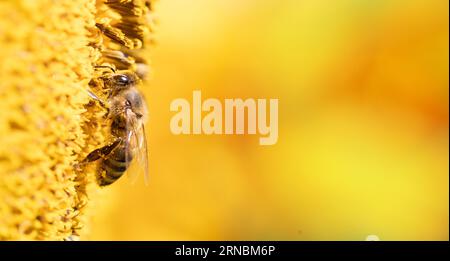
(122, 79)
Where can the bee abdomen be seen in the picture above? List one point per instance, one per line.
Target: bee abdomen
(114, 169)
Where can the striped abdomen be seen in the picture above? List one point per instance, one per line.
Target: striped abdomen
(114, 165)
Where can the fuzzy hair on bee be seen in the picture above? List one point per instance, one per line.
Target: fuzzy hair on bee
(125, 106)
(127, 113)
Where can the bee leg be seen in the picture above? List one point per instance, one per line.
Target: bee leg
(105, 66)
(98, 153)
(96, 98)
(100, 102)
(102, 152)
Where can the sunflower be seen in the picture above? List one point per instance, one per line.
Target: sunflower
(49, 57)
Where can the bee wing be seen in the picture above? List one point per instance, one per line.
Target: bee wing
(144, 156)
(136, 151)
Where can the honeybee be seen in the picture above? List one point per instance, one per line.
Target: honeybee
(127, 113)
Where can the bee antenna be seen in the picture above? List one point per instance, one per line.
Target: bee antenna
(105, 66)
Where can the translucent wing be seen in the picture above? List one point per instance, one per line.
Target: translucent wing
(144, 156)
(130, 145)
(136, 150)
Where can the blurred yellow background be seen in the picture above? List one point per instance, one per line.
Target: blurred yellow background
(363, 124)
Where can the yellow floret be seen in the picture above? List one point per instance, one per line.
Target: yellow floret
(48, 50)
